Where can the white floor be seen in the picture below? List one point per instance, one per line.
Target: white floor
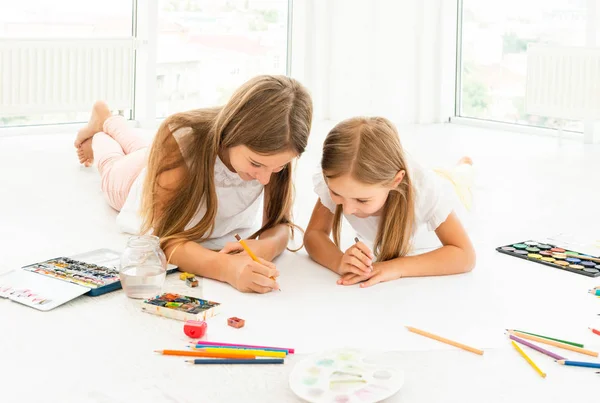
(528, 187)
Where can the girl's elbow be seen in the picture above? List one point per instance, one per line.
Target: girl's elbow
(471, 260)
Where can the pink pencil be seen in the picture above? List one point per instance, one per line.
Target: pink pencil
(214, 343)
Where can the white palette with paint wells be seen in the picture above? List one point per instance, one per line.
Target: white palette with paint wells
(346, 376)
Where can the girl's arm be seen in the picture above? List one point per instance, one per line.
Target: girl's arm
(270, 244)
(239, 271)
(357, 259)
(455, 256)
(317, 242)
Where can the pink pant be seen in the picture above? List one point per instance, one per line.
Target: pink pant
(120, 154)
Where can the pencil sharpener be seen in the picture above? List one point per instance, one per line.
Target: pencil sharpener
(236, 322)
(195, 328)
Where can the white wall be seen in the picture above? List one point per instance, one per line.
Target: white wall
(377, 57)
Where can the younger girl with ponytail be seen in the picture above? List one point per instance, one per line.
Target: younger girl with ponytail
(385, 196)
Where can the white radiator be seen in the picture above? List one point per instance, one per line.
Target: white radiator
(563, 82)
(56, 75)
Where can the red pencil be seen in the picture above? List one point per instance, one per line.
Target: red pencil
(595, 331)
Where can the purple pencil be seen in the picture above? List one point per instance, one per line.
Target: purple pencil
(537, 348)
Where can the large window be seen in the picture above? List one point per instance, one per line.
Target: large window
(60, 19)
(493, 65)
(207, 48)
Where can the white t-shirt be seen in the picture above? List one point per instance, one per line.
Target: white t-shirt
(434, 201)
(239, 204)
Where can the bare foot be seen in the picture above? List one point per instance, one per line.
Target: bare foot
(100, 113)
(85, 153)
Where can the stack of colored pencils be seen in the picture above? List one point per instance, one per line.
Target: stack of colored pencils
(226, 353)
(519, 336)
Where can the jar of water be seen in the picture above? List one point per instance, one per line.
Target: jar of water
(143, 267)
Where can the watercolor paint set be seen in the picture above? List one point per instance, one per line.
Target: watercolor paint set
(345, 375)
(554, 256)
(181, 307)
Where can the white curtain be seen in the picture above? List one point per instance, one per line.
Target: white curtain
(393, 58)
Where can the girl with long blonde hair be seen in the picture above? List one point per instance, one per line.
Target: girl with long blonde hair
(368, 179)
(206, 175)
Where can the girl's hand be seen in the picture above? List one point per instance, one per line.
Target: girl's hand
(234, 248)
(380, 273)
(246, 275)
(356, 260)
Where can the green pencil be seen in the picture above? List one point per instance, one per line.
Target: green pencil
(550, 338)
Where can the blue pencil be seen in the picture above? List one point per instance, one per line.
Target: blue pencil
(579, 364)
(282, 350)
(236, 361)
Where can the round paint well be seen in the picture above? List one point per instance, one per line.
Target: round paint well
(521, 252)
(559, 250)
(558, 255)
(533, 249)
(571, 253)
(561, 263)
(311, 380)
(543, 246)
(547, 259)
(382, 374)
(531, 243)
(576, 266)
(315, 392)
(546, 253)
(591, 270)
(341, 399)
(534, 256)
(508, 248)
(588, 264)
(573, 260)
(519, 246)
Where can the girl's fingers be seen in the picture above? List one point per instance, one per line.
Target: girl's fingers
(357, 253)
(365, 249)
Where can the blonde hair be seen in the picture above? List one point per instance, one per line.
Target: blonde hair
(268, 114)
(369, 149)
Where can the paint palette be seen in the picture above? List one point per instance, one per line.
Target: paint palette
(346, 376)
(554, 256)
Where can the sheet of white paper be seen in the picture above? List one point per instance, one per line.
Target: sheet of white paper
(313, 313)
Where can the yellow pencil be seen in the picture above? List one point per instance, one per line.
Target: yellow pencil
(444, 340)
(257, 353)
(538, 370)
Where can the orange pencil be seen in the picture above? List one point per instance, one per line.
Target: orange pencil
(188, 353)
(554, 343)
(444, 340)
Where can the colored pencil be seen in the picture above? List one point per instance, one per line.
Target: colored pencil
(537, 348)
(537, 369)
(202, 345)
(579, 364)
(548, 338)
(249, 252)
(263, 361)
(188, 353)
(257, 353)
(595, 331)
(554, 343)
(216, 343)
(444, 340)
